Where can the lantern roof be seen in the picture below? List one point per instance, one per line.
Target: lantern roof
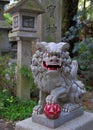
(5, 1)
(32, 6)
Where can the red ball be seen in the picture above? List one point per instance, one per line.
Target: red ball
(52, 111)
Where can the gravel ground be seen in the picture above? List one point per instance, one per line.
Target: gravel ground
(5, 125)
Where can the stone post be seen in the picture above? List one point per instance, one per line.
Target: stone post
(23, 58)
(50, 21)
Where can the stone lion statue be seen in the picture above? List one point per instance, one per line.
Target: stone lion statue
(56, 76)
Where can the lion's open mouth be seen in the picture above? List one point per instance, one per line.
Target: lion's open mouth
(51, 67)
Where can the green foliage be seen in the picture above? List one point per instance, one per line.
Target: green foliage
(88, 88)
(82, 24)
(80, 37)
(84, 50)
(81, 21)
(11, 73)
(0, 33)
(73, 32)
(8, 18)
(3, 68)
(7, 74)
(11, 108)
(72, 36)
(85, 53)
(27, 73)
(88, 8)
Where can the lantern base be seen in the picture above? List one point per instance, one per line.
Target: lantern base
(54, 123)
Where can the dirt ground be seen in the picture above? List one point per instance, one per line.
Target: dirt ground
(88, 101)
(5, 125)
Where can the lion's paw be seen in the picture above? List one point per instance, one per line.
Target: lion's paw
(51, 99)
(71, 107)
(38, 109)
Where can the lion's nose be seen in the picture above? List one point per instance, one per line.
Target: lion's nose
(54, 59)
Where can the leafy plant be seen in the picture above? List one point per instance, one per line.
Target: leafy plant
(7, 74)
(3, 66)
(82, 27)
(89, 88)
(84, 50)
(85, 53)
(74, 31)
(26, 72)
(12, 108)
(8, 18)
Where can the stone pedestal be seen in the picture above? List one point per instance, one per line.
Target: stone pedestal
(64, 117)
(84, 122)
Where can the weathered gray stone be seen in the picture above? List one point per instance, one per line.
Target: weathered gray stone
(64, 117)
(4, 28)
(23, 58)
(50, 21)
(24, 34)
(56, 76)
(84, 122)
(4, 40)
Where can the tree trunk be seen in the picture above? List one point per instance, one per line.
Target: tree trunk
(69, 10)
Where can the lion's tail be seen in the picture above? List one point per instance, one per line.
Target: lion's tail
(74, 69)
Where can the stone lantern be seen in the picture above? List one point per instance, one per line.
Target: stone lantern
(25, 32)
(25, 14)
(4, 28)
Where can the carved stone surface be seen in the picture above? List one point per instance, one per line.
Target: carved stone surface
(64, 117)
(84, 122)
(56, 76)
(50, 21)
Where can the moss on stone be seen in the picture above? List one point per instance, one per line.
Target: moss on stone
(31, 5)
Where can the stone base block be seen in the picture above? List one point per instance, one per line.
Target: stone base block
(83, 122)
(64, 117)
